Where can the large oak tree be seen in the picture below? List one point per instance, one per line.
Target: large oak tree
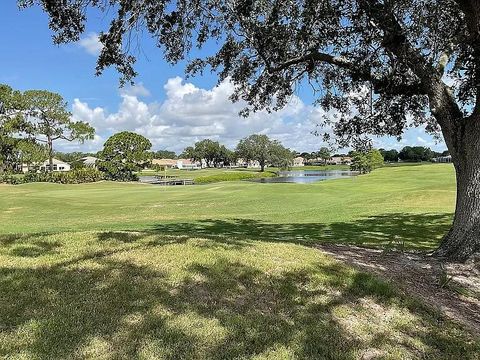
(382, 64)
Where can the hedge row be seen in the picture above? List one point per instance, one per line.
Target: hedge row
(77, 176)
(232, 176)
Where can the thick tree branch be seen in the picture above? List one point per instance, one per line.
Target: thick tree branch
(313, 56)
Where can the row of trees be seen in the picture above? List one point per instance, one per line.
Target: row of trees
(411, 154)
(408, 154)
(30, 123)
(252, 148)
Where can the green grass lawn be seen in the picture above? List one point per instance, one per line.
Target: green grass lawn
(219, 271)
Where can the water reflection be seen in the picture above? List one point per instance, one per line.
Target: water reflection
(307, 176)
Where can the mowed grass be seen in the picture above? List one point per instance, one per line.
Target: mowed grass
(406, 204)
(128, 271)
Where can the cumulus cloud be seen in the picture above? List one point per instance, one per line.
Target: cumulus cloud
(190, 113)
(135, 90)
(91, 44)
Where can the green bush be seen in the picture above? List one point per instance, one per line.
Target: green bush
(231, 176)
(10, 179)
(78, 176)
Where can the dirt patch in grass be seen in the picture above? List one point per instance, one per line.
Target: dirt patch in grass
(454, 289)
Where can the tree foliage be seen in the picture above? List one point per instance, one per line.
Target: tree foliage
(389, 155)
(11, 123)
(212, 152)
(366, 161)
(31, 152)
(415, 154)
(264, 150)
(49, 120)
(398, 49)
(164, 154)
(280, 156)
(324, 154)
(123, 154)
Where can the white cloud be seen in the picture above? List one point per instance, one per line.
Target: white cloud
(91, 44)
(190, 113)
(135, 90)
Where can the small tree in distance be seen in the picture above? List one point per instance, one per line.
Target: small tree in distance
(366, 161)
(324, 154)
(123, 154)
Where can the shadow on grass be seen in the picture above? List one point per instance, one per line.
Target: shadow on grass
(221, 310)
(95, 305)
(412, 231)
(27, 245)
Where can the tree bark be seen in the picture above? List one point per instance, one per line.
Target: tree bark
(463, 239)
(262, 166)
(50, 154)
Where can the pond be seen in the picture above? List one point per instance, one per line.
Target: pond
(307, 176)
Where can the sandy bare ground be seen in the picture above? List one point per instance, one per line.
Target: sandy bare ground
(454, 289)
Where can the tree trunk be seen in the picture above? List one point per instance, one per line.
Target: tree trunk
(463, 239)
(50, 154)
(262, 166)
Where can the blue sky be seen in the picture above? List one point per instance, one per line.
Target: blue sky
(171, 111)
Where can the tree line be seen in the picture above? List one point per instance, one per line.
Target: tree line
(411, 154)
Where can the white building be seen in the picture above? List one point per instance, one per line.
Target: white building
(247, 164)
(443, 159)
(167, 163)
(340, 160)
(298, 161)
(187, 164)
(58, 165)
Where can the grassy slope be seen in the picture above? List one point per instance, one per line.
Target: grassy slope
(215, 272)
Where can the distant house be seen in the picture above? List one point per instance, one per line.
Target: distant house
(339, 160)
(167, 163)
(443, 159)
(58, 166)
(247, 164)
(89, 161)
(299, 161)
(187, 164)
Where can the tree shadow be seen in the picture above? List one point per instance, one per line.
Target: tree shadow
(27, 245)
(398, 230)
(220, 310)
(95, 304)
(36, 249)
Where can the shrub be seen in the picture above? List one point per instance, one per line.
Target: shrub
(10, 179)
(78, 176)
(231, 176)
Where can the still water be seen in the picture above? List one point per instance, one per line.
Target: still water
(307, 176)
